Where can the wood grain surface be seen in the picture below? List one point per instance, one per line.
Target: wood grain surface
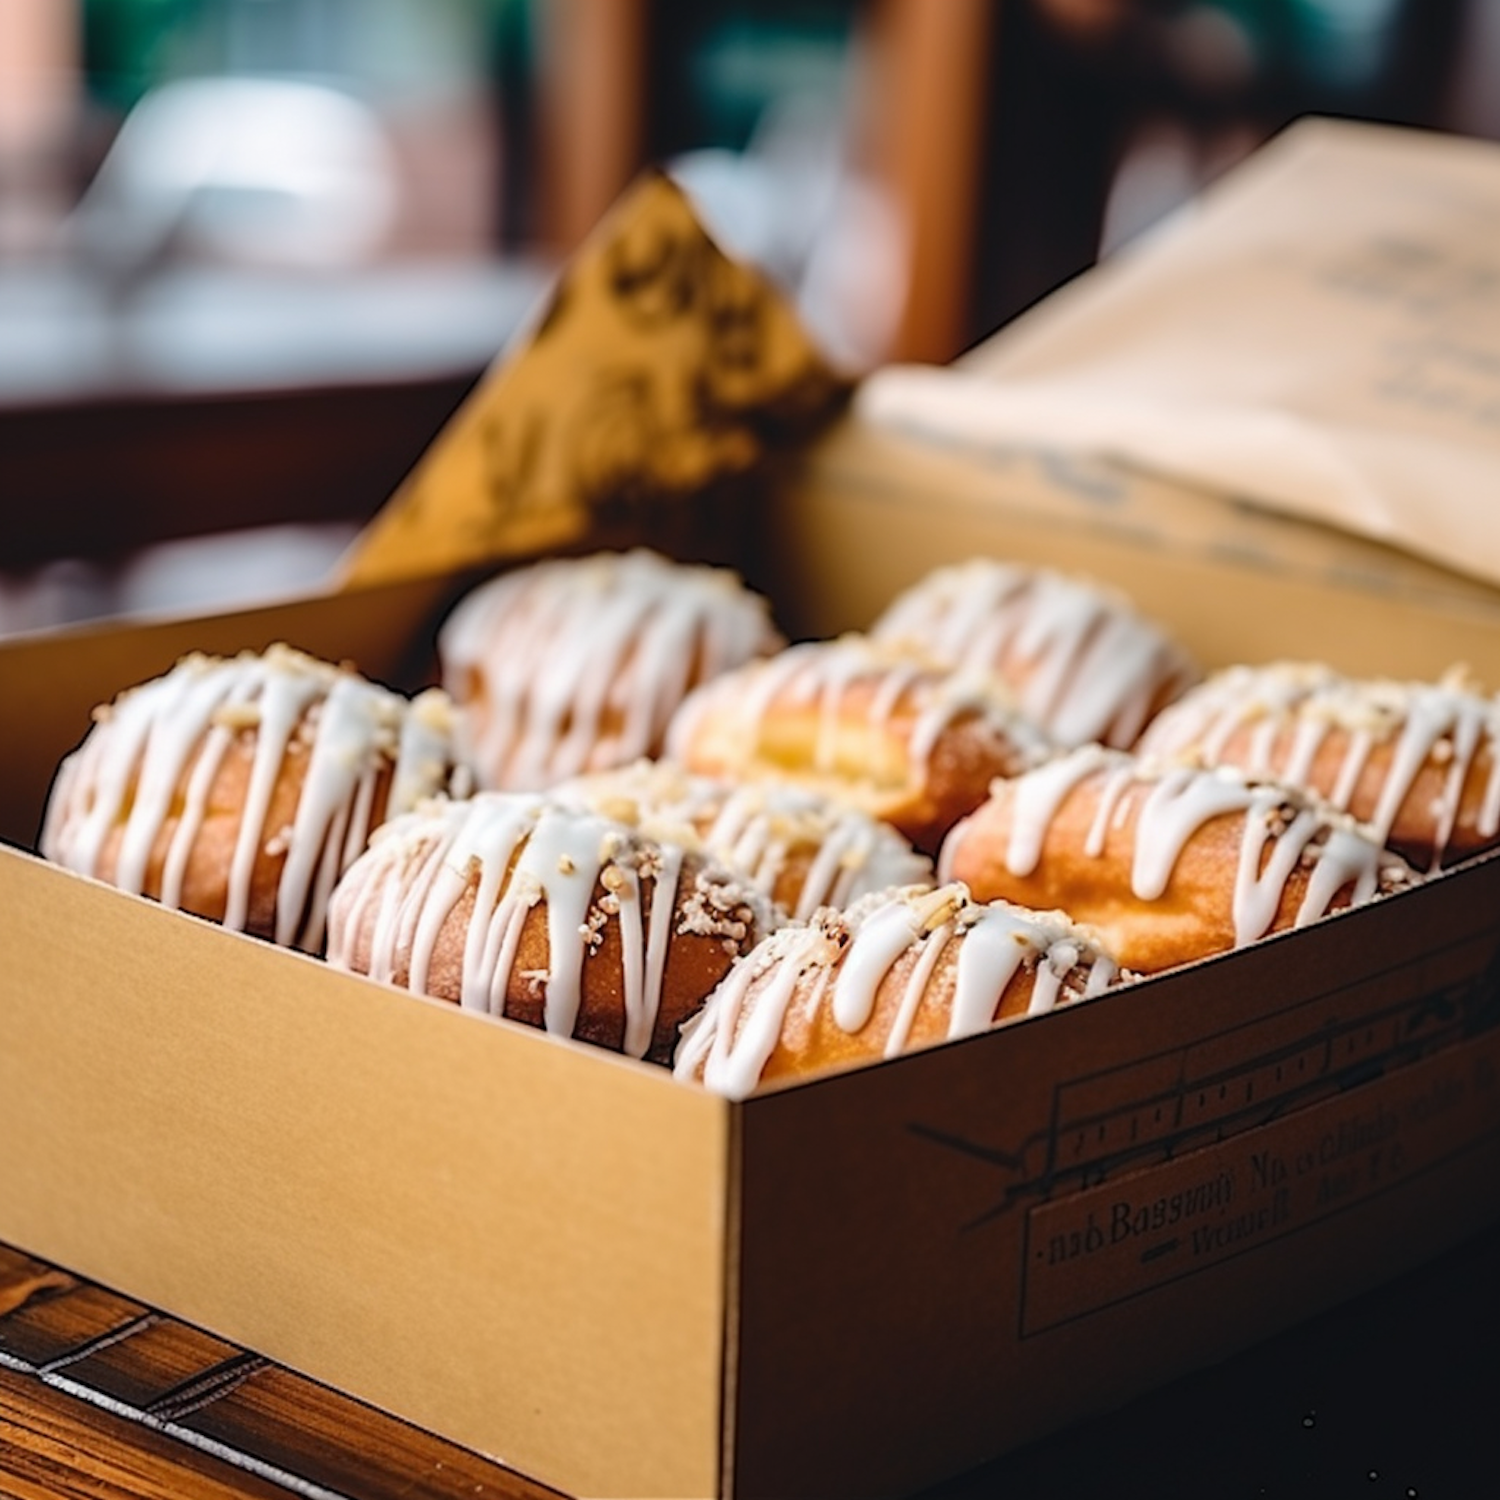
(101, 1397)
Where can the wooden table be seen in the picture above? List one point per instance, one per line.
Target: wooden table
(1394, 1394)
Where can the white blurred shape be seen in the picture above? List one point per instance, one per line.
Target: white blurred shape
(58, 593)
(231, 569)
(829, 237)
(222, 571)
(267, 171)
(1159, 172)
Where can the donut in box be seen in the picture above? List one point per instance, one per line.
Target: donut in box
(241, 788)
(1168, 863)
(906, 740)
(513, 905)
(899, 970)
(1081, 660)
(577, 664)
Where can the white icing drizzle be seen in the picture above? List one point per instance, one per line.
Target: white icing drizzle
(824, 673)
(915, 988)
(1283, 830)
(1038, 796)
(1448, 723)
(1084, 664)
(844, 959)
(559, 647)
(758, 829)
(164, 742)
(733, 1054)
(1180, 802)
(518, 850)
(884, 935)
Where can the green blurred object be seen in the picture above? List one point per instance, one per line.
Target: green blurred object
(718, 66)
(390, 47)
(127, 44)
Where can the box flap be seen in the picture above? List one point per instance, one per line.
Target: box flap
(1320, 333)
(657, 365)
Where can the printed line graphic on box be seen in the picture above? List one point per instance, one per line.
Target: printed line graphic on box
(1194, 1212)
(1196, 1193)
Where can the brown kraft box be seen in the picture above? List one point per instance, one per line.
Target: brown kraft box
(624, 1285)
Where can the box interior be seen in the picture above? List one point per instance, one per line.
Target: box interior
(765, 1262)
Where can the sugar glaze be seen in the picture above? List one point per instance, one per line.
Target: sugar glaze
(1292, 710)
(759, 828)
(1282, 831)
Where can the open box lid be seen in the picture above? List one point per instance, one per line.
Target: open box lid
(1319, 333)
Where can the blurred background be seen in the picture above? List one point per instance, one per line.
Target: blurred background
(254, 252)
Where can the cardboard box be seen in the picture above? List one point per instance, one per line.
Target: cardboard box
(628, 1287)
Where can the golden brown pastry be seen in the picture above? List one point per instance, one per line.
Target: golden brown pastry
(1416, 761)
(905, 740)
(241, 788)
(1167, 863)
(900, 970)
(577, 664)
(802, 850)
(1081, 661)
(515, 906)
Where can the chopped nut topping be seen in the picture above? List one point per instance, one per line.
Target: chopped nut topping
(433, 708)
(280, 841)
(1279, 819)
(620, 810)
(592, 930)
(934, 909)
(237, 715)
(713, 911)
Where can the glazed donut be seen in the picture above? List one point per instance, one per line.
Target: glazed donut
(1419, 762)
(905, 740)
(1167, 863)
(514, 906)
(241, 788)
(1081, 661)
(899, 970)
(577, 664)
(800, 849)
